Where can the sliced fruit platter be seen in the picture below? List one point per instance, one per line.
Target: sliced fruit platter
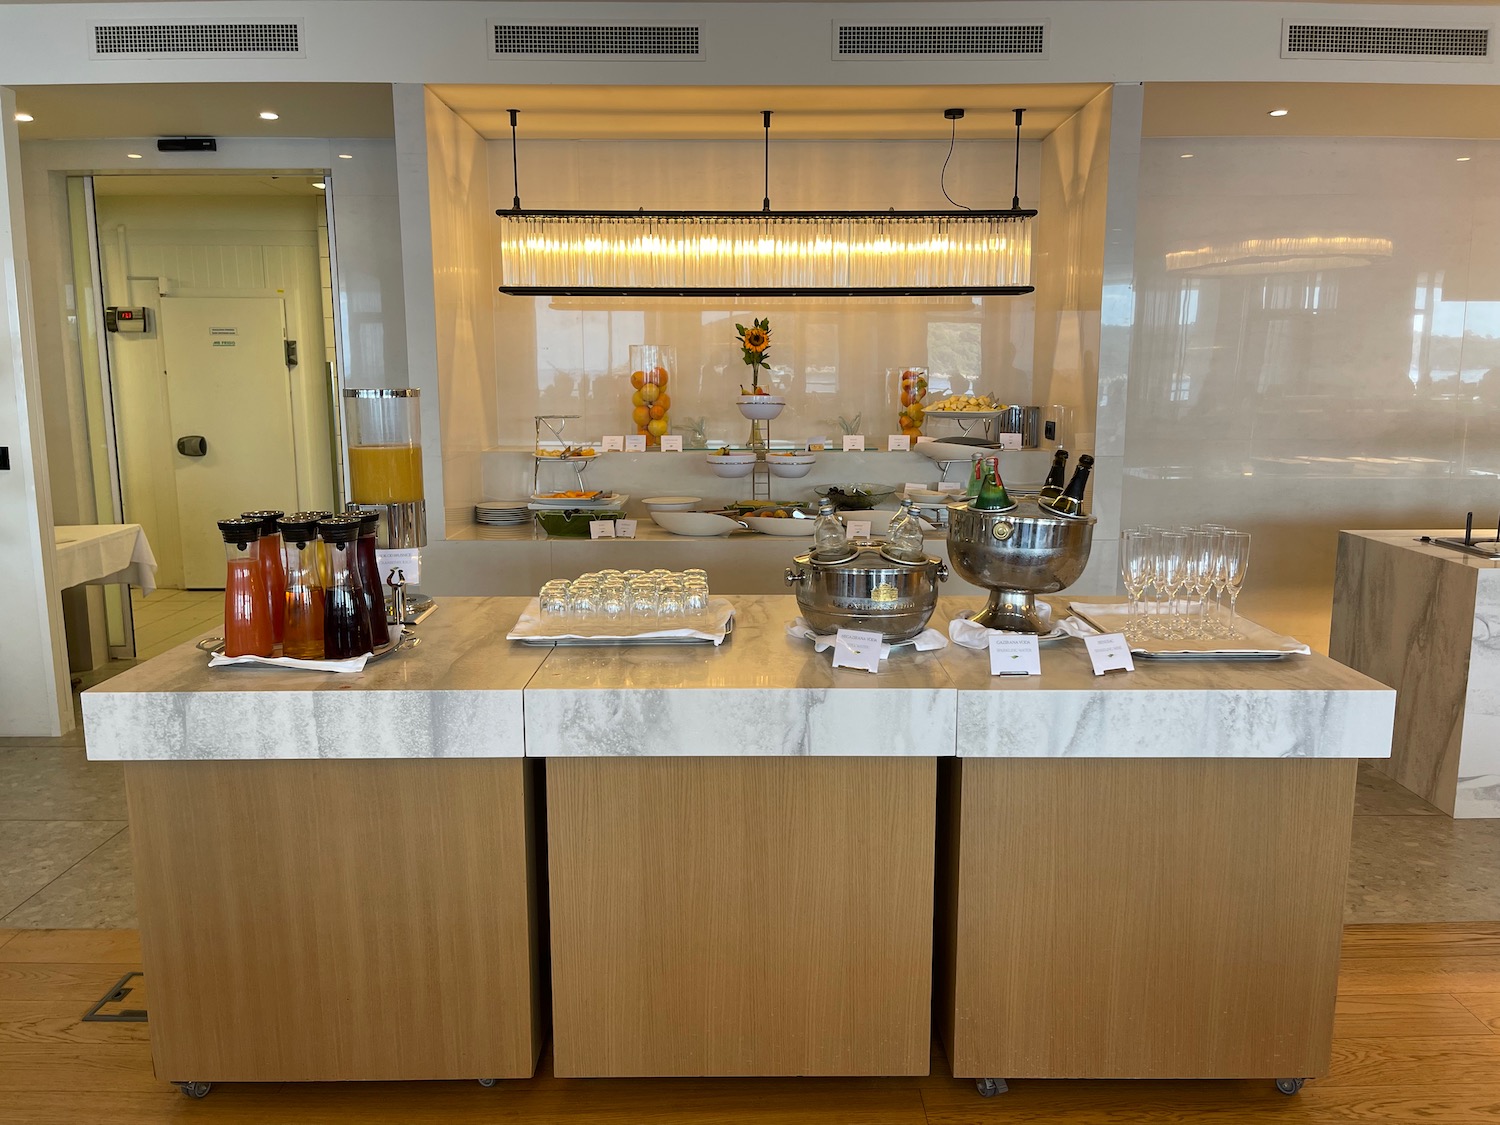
(770, 517)
(568, 453)
(964, 405)
(576, 499)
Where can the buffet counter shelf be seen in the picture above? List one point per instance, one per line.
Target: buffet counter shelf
(740, 852)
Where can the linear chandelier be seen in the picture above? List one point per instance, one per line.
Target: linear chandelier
(766, 253)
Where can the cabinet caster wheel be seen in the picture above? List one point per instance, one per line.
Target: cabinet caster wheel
(488, 1082)
(989, 1087)
(195, 1089)
(1289, 1086)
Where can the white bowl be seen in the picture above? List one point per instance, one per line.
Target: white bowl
(760, 408)
(731, 468)
(694, 523)
(790, 467)
(671, 503)
(774, 525)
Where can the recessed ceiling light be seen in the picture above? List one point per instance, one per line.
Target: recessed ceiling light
(346, 156)
(267, 115)
(132, 156)
(1186, 156)
(319, 184)
(1278, 113)
(24, 117)
(1461, 159)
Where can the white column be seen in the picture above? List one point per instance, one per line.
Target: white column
(34, 693)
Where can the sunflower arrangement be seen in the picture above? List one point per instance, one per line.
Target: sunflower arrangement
(755, 342)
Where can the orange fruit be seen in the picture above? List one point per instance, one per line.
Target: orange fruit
(657, 411)
(657, 375)
(637, 379)
(641, 415)
(664, 401)
(907, 398)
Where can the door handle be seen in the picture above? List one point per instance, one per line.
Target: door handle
(194, 445)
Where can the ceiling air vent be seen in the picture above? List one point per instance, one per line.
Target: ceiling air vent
(178, 40)
(595, 41)
(955, 40)
(1383, 41)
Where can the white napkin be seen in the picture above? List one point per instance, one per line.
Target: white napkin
(970, 635)
(353, 664)
(928, 640)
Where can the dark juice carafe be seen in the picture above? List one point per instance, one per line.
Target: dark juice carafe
(346, 616)
(303, 635)
(273, 567)
(247, 609)
(369, 575)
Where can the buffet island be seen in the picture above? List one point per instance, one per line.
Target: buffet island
(342, 876)
(1420, 613)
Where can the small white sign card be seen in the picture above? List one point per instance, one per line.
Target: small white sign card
(951, 486)
(635, 443)
(1110, 652)
(898, 443)
(1015, 654)
(857, 529)
(408, 560)
(624, 529)
(601, 529)
(1010, 441)
(671, 443)
(912, 486)
(613, 443)
(854, 443)
(856, 648)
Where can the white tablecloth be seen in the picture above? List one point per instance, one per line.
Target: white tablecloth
(103, 555)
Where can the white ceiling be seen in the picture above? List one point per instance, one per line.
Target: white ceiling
(278, 186)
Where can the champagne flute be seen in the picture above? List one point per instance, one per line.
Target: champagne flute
(1202, 547)
(1236, 562)
(1171, 559)
(1218, 577)
(1135, 571)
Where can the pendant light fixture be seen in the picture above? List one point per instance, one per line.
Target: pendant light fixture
(765, 253)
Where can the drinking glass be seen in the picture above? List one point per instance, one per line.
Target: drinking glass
(670, 605)
(695, 572)
(613, 606)
(1135, 570)
(1200, 574)
(554, 601)
(1236, 562)
(642, 601)
(1218, 575)
(583, 601)
(695, 598)
(1171, 572)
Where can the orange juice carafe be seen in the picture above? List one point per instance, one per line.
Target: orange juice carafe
(303, 637)
(247, 608)
(384, 429)
(273, 567)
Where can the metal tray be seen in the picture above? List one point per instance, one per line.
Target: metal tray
(1216, 656)
(215, 645)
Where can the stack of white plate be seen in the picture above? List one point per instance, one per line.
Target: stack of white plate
(502, 513)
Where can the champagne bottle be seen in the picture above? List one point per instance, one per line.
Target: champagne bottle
(1070, 503)
(992, 494)
(1053, 488)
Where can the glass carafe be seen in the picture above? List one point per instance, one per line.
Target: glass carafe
(247, 610)
(369, 576)
(273, 567)
(303, 636)
(346, 616)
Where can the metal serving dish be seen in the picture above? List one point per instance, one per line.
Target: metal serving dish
(1017, 554)
(867, 591)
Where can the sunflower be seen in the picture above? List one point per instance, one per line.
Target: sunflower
(757, 339)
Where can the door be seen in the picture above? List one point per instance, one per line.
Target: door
(228, 385)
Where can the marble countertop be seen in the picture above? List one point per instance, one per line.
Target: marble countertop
(1410, 539)
(1302, 707)
(457, 694)
(762, 693)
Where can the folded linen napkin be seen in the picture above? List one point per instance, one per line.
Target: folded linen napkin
(353, 664)
(970, 635)
(928, 640)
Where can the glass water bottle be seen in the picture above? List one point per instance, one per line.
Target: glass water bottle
(272, 567)
(830, 544)
(303, 635)
(346, 616)
(247, 610)
(903, 538)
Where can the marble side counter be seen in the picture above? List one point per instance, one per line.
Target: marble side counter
(761, 694)
(1425, 620)
(456, 695)
(1302, 707)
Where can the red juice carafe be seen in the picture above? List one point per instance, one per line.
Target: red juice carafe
(346, 616)
(247, 610)
(369, 574)
(273, 567)
(303, 637)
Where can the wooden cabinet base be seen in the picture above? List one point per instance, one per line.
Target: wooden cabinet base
(741, 916)
(319, 921)
(1153, 918)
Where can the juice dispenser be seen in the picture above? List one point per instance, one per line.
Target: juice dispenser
(385, 461)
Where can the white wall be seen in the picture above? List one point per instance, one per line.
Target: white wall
(33, 673)
(1293, 402)
(208, 246)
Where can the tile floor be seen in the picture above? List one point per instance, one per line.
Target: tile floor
(66, 847)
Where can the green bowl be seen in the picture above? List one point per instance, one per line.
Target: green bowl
(572, 523)
(859, 497)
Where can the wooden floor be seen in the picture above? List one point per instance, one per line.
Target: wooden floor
(1417, 1040)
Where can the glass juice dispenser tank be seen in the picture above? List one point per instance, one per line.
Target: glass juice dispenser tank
(384, 428)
